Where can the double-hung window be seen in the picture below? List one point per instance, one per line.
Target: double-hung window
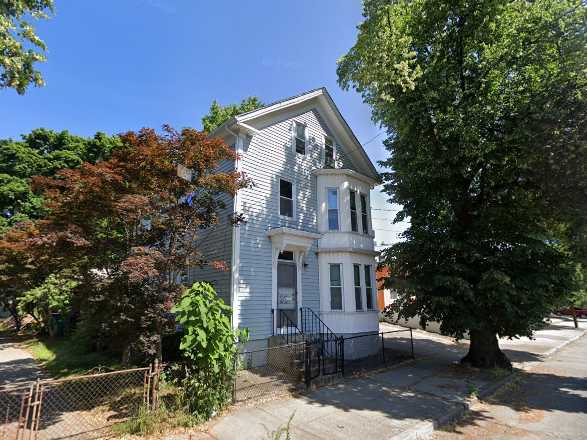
(335, 287)
(368, 287)
(328, 153)
(364, 218)
(285, 198)
(300, 138)
(332, 209)
(354, 224)
(358, 289)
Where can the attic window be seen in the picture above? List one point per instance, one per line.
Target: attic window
(300, 138)
(328, 153)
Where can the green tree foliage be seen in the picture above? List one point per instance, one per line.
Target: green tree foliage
(54, 295)
(20, 47)
(129, 226)
(484, 103)
(218, 114)
(42, 153)
(209, 344)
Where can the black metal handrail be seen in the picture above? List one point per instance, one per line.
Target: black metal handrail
(331, 346)
(313, 326)
(289, 329)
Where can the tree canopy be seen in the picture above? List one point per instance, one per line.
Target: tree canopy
(484, 104)
(20, 47)
(42, 153)
(124, 229)
(218, 114)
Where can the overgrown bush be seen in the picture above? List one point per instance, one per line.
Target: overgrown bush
(209, 346)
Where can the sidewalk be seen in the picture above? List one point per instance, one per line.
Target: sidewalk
(17, 366)
(402, 403)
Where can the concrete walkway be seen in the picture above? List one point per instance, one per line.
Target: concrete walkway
(16, 365)
(402, 403)
(548, 401)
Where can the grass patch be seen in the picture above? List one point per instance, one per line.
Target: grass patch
(156, 421)
(66, 357)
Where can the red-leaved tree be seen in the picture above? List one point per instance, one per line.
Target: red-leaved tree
(127, 228)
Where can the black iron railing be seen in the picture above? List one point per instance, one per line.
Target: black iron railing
(287, 328)
(329, 346)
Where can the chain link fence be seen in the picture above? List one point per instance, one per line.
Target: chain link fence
(269, 371)
(81, 407)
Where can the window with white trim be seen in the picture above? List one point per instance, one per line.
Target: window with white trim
(300, 138)
(332, 209)
(335, 287)
(354, 221)
(328, 153)
(358, 288)
(364, 217)
(285, 198)
(368, 287)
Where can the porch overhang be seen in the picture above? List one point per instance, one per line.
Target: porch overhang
(292, 239)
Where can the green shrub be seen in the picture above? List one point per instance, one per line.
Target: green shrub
(53, 296)
(209, 346)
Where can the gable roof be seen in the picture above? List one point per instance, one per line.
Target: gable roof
(329, 110)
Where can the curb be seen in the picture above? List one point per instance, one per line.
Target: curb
(425, 430)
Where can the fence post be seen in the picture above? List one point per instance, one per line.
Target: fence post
(382, 348)
(412, 343)
(234, 365)
(155, 397)
(307, 354)
(342, 355)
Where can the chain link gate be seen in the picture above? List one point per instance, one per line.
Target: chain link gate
(81, 407)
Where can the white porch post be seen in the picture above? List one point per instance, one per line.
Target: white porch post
(275, 255)
(299, 257)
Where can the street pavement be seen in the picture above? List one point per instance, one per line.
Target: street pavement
(548, 401)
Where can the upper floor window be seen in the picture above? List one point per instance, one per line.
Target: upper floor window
(368, 287)
(358, 289)
(332, 209)
(364, 218)
(328, 153)
(285, 198)
(300, 138)
(354, 224)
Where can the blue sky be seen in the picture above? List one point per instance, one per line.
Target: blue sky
(118, 65)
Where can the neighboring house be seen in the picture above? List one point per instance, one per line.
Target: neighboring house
(306, 244)
(385, 296)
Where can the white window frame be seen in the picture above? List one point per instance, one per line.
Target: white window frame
(293, 198)
(337, 209)
(330, 286)
(370, 279)
(295, 137)
(333, 151)
(359, 286)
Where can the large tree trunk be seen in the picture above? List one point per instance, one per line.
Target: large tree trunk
(484, 351)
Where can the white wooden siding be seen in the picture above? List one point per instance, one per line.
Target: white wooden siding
(267, 158)
(215, 244)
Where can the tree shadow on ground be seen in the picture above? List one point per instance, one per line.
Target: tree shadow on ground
(432, 386)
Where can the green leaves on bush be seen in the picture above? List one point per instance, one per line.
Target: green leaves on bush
(209, 344)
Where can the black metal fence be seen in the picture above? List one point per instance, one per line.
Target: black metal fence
(377, 350)
(271, 371)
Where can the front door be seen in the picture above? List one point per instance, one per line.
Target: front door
(287, 298)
